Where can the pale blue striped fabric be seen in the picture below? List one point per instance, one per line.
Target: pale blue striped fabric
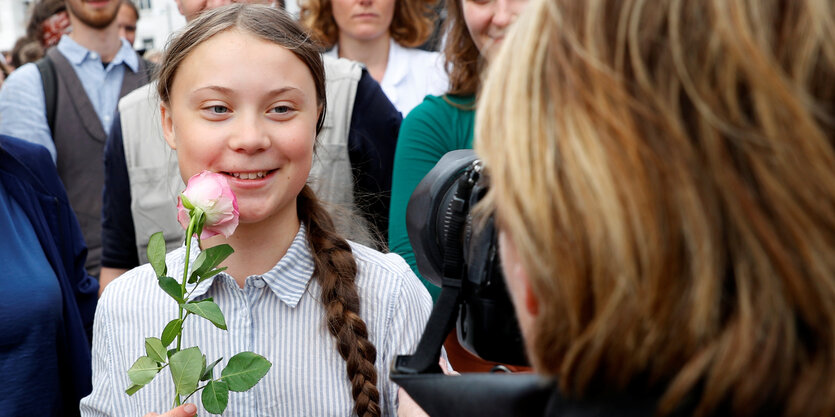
(278, 315)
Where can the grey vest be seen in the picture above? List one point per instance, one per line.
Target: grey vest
(79, 144)
(155, 178)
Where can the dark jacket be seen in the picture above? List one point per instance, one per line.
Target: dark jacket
(29, 176)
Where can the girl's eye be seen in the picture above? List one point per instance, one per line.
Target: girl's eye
(219, 109)
(281, 109)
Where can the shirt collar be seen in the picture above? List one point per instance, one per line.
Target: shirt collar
(77, 54)
(288, 279)
(397, 67)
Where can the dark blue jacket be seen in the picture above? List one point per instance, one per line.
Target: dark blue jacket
(29, 176)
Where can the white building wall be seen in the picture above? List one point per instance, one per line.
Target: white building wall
(13, 15)
(158, 19)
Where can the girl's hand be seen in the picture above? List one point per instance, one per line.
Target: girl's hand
(185, 410)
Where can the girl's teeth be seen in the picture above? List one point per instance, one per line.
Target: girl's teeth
(249, 175)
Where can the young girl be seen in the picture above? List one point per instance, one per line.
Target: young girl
(243, 95)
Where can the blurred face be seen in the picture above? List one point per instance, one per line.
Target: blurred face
(489, 20)
(97, 14)
(126, 20)
(191, 8)
(250, 114)
(363, 20)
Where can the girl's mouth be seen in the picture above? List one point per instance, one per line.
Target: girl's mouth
(251, 175)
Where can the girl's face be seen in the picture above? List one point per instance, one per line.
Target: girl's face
(246, 108)
(489, 20)
(363, 20)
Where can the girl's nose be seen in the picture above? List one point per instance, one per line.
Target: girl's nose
(249, 137)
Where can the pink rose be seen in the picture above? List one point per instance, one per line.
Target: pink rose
(210, 192)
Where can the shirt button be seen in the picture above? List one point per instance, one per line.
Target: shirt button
(94, 55)
(258, 283)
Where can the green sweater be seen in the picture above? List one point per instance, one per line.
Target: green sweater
(431, 129)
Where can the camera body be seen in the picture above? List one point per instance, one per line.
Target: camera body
(459, 253)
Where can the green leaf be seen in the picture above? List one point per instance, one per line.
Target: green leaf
(208, 310)
(185, 370)
(212, 273)
(195, 267)
(156, 253)
(155, 349)
(171, 352)
(208, 372)
(171, 287)
(244, 370)
(133, 388)
(186, 203)
(213, 257)
(215, 397)
(143, 370)
(172, 329)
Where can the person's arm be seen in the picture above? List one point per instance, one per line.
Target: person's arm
(23, 108)
(118, 236)
(372, 140)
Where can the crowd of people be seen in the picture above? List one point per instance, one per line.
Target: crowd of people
(662, 176)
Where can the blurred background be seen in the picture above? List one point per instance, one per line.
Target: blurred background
(157, 20)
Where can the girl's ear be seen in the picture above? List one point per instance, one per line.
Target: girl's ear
(167, 125)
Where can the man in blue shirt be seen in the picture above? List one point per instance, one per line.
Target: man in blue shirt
(92, 69)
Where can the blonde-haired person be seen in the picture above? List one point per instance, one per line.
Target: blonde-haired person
(329, 314)
(664, 179)
(383, 35)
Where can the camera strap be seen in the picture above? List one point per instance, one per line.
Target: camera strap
(445, 311)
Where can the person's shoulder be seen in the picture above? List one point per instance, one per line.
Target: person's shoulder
(28, 153)
(384, 274)
(26, 73)
(339, 68)
(31, 163)
(144, 97)
(387, 263)
(437, 109)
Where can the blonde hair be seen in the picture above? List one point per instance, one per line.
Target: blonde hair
(666, 172)
(411, 25)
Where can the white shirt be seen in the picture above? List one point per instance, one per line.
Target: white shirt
(411, 74)
(278, 315)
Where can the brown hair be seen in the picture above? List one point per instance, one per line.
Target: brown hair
(411, 25)
(666, 172)
(335, 268)
(130, 4)
(41, 11)
(463, 60)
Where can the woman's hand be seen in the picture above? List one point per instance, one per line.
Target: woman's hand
(407, 407)
(185, 410)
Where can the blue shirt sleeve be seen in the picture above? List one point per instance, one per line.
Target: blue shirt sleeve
(23, 108)
(372, 139)
(118, 238)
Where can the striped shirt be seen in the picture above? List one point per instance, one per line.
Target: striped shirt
(278, 315)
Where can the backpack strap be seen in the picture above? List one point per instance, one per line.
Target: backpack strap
(50, 89)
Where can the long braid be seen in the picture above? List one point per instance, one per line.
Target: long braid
(336, 271)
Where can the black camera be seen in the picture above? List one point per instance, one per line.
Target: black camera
(459, 253)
